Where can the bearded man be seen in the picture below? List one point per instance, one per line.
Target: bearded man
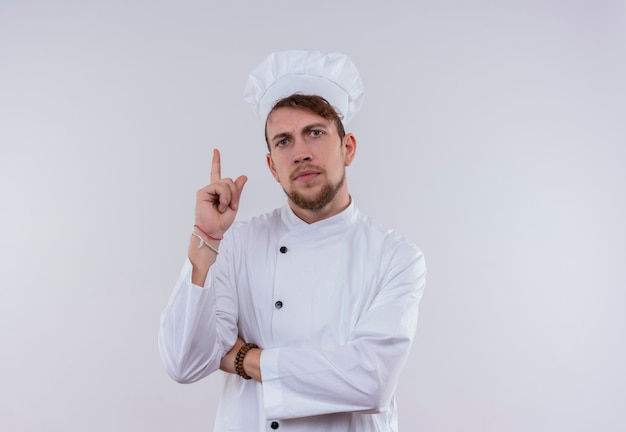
(310, 310)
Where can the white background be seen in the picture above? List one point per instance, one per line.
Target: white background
(492, 135)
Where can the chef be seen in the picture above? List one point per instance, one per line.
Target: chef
(310, 310)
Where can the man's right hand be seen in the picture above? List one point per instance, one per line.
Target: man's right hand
(217, 203)
(216, 208)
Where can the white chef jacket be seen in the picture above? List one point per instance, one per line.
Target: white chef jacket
(332, 304)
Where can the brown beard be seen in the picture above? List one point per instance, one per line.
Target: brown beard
(326, 195)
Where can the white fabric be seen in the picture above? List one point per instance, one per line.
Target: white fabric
(330, 75)
(332, 354)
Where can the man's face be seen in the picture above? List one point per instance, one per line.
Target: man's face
(308, 158)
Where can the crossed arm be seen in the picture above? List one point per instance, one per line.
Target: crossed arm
(359, 374)
(251, 362)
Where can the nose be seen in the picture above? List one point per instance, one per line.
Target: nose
(302, 152)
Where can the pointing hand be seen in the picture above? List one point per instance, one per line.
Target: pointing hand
(217, 203)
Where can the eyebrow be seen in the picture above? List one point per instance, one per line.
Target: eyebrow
(310, 127)
(280, 136)
(305, 129)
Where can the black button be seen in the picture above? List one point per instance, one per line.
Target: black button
(283, 249)
(278, 304)
(274, 425)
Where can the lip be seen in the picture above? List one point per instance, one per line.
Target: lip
(306, 175)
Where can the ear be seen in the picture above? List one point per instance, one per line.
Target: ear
(349, 146)
(270, 165)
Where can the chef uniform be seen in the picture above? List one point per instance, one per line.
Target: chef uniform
(332, 304)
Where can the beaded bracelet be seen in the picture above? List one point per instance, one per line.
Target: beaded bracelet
(239, 359)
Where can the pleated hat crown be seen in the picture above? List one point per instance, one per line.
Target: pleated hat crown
(331, 75)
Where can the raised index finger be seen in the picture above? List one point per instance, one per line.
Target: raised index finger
(216, 167)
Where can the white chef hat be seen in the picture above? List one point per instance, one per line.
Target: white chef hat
(331, 75)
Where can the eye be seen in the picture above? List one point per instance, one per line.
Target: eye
(317, 133)
(282, 142)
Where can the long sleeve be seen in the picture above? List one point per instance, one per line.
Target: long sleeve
(361, 374)
(198, 325)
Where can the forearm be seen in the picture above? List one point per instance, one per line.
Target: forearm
(193, 337)
(251, 363)
(202, 255)
(356, 377)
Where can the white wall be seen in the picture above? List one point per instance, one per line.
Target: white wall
(493, 135)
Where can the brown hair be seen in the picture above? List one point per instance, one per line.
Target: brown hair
(312, 103)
